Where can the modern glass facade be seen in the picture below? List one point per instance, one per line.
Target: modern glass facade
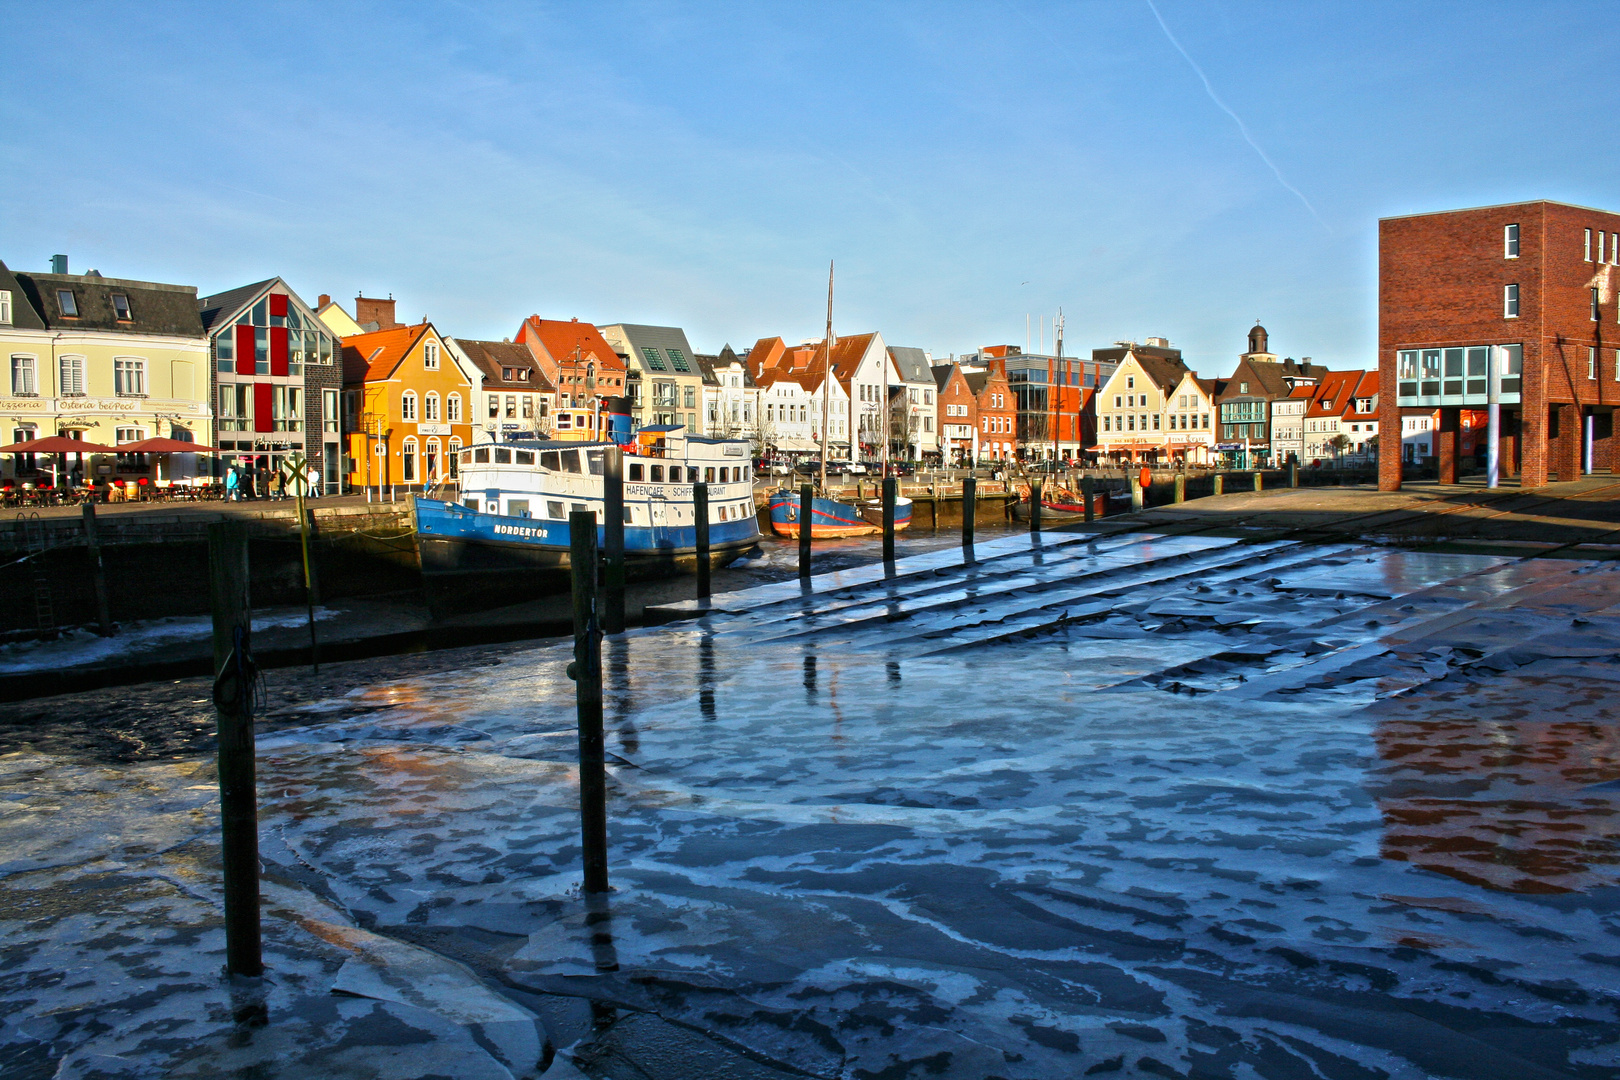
(1459, 375)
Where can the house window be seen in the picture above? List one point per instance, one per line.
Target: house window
(655, 359)
(430, 407)
(129, 376)
(1591, 363)
(407, 406)
(1601, 235)
(121, 307)
(430, 356)
(129, 463)
(67, 304)
(1510, 241)
(494, 406)
(5, 307)
(407, 461)
(22, 376)
(430, 461)
(528, 407)
(678, 358)
(511, 406)
(1119, 402)
(1594, 305)
(1587, 252)
(1130, 382)
(1510, 301)
(452, 408)
(329, 410)
(70, 376)
(1243, 388)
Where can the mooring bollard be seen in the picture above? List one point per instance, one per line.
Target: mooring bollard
(1220, 483)
(1259, 482)
(1293, 474)
(700, 517)
(1181, 487)
(1088, 495)
(1035, 506)
(612, 606)
(98, 573)
(1136, 493)
(807, 498)
(235, 686)
(586, 671)
(970, 510)
(891, 490)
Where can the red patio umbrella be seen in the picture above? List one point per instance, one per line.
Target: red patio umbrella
(165, 446)
(57, 444)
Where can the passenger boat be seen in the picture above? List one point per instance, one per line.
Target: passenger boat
(831, 518)
(516, 497)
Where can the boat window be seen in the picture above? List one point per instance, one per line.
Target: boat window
(725, 475)
(742, 473)
(657, 474)
(578, 508)
(593, 461)
(471, 502)
(627, 515)
(525, 457)
(570, 461)
(635, 472)
(502, 456)
(708, 475)
(692, 475)
(481, 454)
(517, 507)
(554, 510)
(548, 460)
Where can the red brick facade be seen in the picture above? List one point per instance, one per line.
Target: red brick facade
(1441, 283)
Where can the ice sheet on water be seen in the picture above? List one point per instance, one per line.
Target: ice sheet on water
(849, 852)
(81, 647)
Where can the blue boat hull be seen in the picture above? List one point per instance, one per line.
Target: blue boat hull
(455, 539)
(831, 519)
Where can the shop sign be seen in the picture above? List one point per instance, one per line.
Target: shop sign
(433, 429)
(26, 405)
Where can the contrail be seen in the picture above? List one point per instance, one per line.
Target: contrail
(1236, 119)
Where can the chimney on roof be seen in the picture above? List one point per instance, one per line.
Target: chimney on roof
(381, 312)
(323, 301)
(58, 264)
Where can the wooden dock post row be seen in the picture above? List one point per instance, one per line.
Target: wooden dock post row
(234, 679)
(98, 572)
(1136, 493)
(1035, 506)
(891, 488)
(806, 506)
(970, 511)
(1181, 487)
(700, 519)
(586, 671)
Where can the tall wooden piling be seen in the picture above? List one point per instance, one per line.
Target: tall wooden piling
(98, 572)
(1259, 480)
(1035, 506)
(234, 686)
(1181, 487)
(891, 488)
(700, 519)
(613, 541)
(1220, 483)
(970, 510)
(1088, 493)
(1293, 474)
(806, 508)
(306, 526)
(586, 671)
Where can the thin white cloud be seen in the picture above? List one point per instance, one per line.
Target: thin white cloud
(1236, 119)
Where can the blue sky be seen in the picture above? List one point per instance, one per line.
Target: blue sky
(697, 165)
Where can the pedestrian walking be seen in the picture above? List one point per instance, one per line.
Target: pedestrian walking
(232, 482)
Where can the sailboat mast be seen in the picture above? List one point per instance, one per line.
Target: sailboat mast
(826, 377)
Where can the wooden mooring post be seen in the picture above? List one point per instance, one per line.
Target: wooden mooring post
(1259, 480)
(1293, 474)
(1181, 487)
(1220, 483)
(1035, 506)
(806, 508)
(1088, 493)
(970, 511)
(891, 488)
(613, 541)
(98, 572)
(586, 671)
(306, 526)
(700, 521)
(235, 685)
(1136, 493)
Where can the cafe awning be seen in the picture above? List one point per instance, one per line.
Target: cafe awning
(57, 444)
(165, 446)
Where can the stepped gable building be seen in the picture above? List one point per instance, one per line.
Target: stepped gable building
(958, 414)
(1534, 286)
(1243, 432)
(997, 411)
(276, 379)
(104, 360)
(577, 361)
(510, 393)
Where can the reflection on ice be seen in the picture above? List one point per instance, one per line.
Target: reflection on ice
(1162, 807)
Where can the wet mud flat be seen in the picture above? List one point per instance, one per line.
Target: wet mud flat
(1124, 805)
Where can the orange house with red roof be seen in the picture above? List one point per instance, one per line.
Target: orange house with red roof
(410, 408)
(576, 358)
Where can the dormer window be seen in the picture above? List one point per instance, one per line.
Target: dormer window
(506, 374)
(121, 306)
(5, 307)
(66, 304)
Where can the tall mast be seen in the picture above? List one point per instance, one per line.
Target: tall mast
(826, 377)
(1057, 434)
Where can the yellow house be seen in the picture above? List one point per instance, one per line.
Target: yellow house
(104, 360)
(407, 408)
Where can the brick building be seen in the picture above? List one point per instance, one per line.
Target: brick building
(1537, 278)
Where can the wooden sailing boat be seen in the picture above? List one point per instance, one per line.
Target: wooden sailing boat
(829, 517)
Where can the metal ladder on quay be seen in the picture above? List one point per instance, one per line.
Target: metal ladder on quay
(34, 542)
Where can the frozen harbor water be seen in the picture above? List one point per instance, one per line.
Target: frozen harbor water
(1136, 806)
